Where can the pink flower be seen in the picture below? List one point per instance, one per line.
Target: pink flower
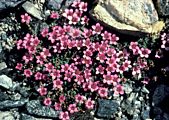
(75, 33)
(75, 3)
(68, 13)
(25, 18)
(45, 53)
(100, 69)
(87, 61)
(58, 106)
(84, 20)
(38, 76)
(111, 52)
(79, 98)
(54, 15)
(19, 66)
(47, 101)
(118, 89)
(113, 40)
(83, 6)
(44, 32)
(103, 92)
(79, 79)
(62, 99)
(89, 103)
(133, 45)
(106, 35)
(85, 86)
(97, 28)
(101, 57)
(87, 53)
(65, 68)
(57, 84)
(49, 67)
(27, 72)
(52, 36)
(68, 76)
(72, 108)
(27, 58)
(19, 44)
(55, 74)
(74, 19)
(87, 33)
(79, 44)
(102, 48)
(111, 60)
(145, 52)
(127, 65)
(64, 116)
(40, 59)
(42, 91)
(136, 70)
(93, 86)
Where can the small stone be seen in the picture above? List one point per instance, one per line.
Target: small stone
(3, 65)
(29, 117)
(54, 4)
(34, 107)
(7, 104)
(6, 116)
(31, 9)
(163, 7)
(107, 108)
(5, 81)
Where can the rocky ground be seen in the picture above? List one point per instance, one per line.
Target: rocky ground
(17, 102)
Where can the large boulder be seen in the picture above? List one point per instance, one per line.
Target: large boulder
(128, 16)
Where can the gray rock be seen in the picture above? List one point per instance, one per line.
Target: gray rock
(163, 7)
(4, 96)
(106, 108)
(5, 81)
(6, 116)
(29, 117)
(7, 4)
(34, 107)
(7, 104)
(31, 9)
(3, 65)
(160, 93)
(54, 4)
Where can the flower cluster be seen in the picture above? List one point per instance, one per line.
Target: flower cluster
(75, 65)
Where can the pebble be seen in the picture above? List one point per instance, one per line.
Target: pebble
(5, 81)
(3, 65)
